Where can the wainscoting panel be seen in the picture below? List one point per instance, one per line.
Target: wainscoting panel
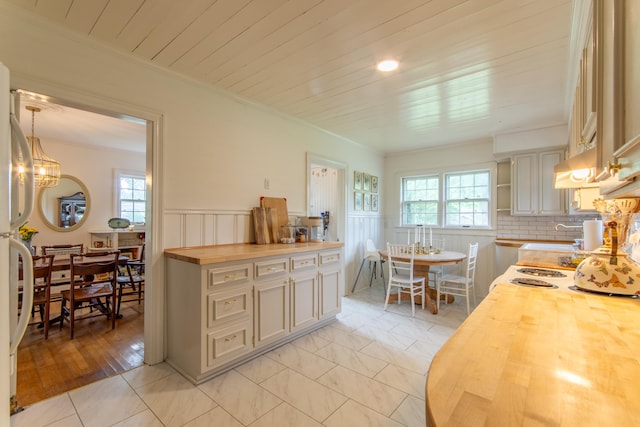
(196, 228)
(201, 228)
(359, 229)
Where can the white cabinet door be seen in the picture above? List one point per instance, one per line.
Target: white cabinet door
(329, 292)
(304, 300)
(524, 179)
(551, 200)
(532, 186)
(271, 311)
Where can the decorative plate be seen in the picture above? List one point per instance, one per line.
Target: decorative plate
(116, 223)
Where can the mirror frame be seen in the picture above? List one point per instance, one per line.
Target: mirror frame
(87, 210)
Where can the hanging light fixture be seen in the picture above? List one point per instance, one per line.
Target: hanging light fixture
(46, 171)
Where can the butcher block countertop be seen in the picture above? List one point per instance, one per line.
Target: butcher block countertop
(529, 356)
(226, 253)
(516, 243)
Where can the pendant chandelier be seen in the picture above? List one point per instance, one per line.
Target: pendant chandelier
(46, 171)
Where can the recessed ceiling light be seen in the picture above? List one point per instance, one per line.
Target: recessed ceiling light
(387, 65)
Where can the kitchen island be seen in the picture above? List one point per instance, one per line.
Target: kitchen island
(530, 356)
(229, 303)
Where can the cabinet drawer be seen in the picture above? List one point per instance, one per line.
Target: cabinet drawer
(329, 257)
(304, 262)
(232, 274)
(271, 267)
(229, 305)
(229, 342)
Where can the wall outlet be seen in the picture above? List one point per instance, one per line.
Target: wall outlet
(266, 183)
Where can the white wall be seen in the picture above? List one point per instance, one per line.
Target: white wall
(462, 156)
(94, 167)
(217, 149)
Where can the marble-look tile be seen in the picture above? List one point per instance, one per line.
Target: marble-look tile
(411, 412)
(403, 379)
(146, 374)
(260, 368)
(396, 340)
(240, 397)
(217, 417)
(308, 364)
(373, 394)
(352, 359)
(71, 421)
(175, 400)
(306, 395)
(285, 415)
(354, 342)
(354, 414)
(421, 348)
(142, 419)
(106, 402)
(358, 320)
(433, 340)
(310, 342)
(45, 412)
(420, 330)
(416, 361)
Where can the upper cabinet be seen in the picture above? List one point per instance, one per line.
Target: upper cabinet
(615, 35)
(533, 192)
(583, 122)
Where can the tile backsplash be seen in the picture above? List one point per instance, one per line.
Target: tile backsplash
(540, 227)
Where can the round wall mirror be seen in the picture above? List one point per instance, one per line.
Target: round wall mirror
(66, 206)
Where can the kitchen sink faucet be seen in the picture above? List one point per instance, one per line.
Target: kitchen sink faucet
(566, 226)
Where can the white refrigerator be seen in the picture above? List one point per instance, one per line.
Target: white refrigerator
(16, 205)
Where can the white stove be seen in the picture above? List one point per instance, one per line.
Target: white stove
(545, 278)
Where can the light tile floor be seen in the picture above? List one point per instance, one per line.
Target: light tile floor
(367, 369)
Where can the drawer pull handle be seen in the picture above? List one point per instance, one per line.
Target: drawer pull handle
(230, 277)
(233, 301)
(271, 268)
(230, 338)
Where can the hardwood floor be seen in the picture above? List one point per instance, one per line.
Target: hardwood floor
(49, 367)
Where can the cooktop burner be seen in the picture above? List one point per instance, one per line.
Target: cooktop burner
(541, 272)
(527, 281)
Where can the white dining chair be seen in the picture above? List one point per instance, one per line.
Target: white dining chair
(451, 284)
(372, 255)
(401, 277)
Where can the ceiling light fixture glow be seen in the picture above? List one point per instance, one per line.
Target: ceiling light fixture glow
(387, 65)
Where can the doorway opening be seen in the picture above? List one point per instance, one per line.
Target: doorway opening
(326, 196)
(78, 135)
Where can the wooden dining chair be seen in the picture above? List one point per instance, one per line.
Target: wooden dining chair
(401, 277)
(94, 281)
(77, 248)
(131, 284)
(42, 266)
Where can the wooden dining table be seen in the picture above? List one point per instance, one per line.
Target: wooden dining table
(421, 265)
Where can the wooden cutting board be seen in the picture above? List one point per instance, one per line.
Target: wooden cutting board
(261, 226)
(273, 225)
(280, 204)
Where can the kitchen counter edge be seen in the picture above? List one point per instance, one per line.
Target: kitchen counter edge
(236, 252)
(516, 243)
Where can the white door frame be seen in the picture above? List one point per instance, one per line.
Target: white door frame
(154, 322)
(341, 215)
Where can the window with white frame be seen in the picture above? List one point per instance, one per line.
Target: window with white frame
(466, 200)
(420, 198)
(456, 199)
(131, 196)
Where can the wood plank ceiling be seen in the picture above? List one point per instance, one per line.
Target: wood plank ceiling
(468, 68)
